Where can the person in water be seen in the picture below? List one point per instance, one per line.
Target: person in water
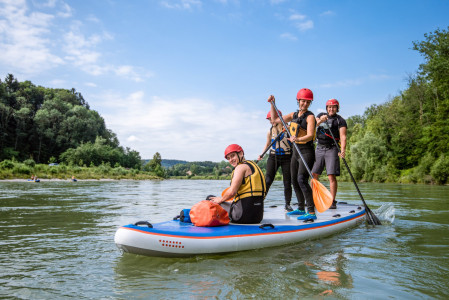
(280, 156)
(247, 188)
(326, 153)
(302, 131)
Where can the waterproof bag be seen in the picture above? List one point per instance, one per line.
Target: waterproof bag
(208, 214)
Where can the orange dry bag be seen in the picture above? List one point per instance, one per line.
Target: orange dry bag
(207, 214)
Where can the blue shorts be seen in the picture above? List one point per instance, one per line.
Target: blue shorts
(326, 157)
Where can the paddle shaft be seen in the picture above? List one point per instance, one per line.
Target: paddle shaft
(288, 133)
(375, 221)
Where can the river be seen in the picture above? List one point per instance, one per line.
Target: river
(57, 242)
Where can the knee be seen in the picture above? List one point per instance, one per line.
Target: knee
(268, 180)
(302, 180)
(332, 178)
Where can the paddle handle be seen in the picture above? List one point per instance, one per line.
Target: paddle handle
(288, 133)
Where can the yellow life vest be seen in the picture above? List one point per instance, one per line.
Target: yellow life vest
(252, 185)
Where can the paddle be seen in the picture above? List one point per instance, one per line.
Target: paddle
(371, 217)
(321, 196)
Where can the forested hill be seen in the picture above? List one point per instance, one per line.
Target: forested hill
(46, 124)
(407, 138)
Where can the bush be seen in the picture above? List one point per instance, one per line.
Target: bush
(30, 163)
(6, 164)
(104, 169)
(119, 171)
(22, 169)
(440, 169)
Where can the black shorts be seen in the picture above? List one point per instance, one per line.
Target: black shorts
(248, 210)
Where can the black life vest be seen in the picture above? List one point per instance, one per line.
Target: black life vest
(301, 121)
(324, 136)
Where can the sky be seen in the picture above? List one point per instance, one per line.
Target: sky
(186, 78)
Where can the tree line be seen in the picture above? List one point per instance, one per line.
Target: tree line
(406, 139)
(49, 125)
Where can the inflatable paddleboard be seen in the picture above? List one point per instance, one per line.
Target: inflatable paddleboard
(178, 239)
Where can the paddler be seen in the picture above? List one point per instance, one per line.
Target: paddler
(326, 153)
(302, 132)
(247, 187)
(280, 156)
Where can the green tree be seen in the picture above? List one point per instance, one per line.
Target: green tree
(155, 162)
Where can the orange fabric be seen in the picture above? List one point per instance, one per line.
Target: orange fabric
(224, 191)
(321, 196)
(208, 214)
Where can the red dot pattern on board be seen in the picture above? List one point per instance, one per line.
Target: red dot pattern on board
(171, 244)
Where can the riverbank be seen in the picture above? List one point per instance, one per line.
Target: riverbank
(23, 171)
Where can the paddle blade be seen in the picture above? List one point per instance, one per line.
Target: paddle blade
(321, 196)
(224, 191)
(371, 217)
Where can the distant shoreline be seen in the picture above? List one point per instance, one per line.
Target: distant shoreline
(58, 179)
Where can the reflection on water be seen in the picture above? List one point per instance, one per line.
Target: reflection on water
(57, 242)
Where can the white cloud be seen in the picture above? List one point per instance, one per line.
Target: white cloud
(303, 26)
(289, 36)
(181, 4)
(28, 45)
(327, 13)
(190, 129)
(24, 45)
(296, 17)
(66, 11)
(58, 83)
(133, 138)
(300, 21)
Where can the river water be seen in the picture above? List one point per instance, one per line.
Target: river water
(57, 242)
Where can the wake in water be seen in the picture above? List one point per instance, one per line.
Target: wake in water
(386, 213)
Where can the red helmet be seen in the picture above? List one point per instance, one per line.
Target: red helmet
(232, 148)
(269, 114)
(304, 94)
(332, 102)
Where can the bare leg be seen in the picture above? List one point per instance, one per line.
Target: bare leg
(333, 185)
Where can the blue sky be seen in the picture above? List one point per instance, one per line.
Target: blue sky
(185, 78)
